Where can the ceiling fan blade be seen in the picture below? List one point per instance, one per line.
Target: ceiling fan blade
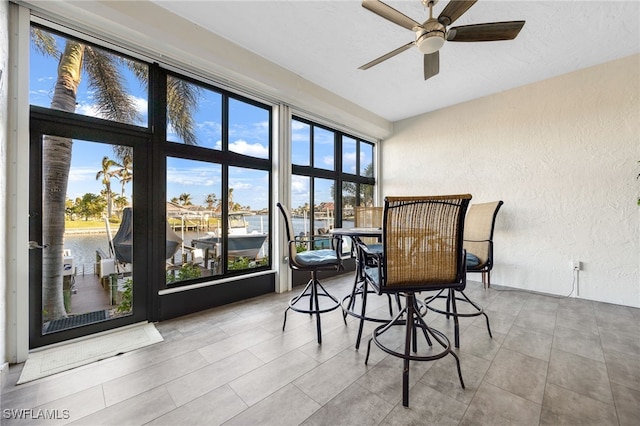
(390, 14)
(387, 56)
(431, 64)
(486, 32)
(454, 10)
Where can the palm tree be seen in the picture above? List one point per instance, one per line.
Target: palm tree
(185, 199)
(106, 81)
(210, 200)
(230, 199)
(106, 175)
(120, 201)
(125, 173)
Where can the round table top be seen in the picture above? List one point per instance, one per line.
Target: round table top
(357, 232)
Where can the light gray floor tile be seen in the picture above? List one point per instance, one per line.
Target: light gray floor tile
(332, 377)
(519, 374)
(65, 410)
(529, 342)
(507, 302)
(353, 406)
(564, 407)
(476, 341)
(500, 322)
(263, 381)
(627, 403)
(137, 410)
(623, 369)
(427, 406)
(443, 376)
(567, 370)
(234, 344)
(385, 378)
(621, 341)
(211, 376)
(145, 379)
(583, 343)
(284, 342)
(583, 320)
(535, 320)
(539, 303)
(494, 406)
(213, 408)
(287, 406)
(619, 319)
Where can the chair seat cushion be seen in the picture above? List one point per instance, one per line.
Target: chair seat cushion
(375, 247)
(472, 260)
(317, 257)
(372, 273)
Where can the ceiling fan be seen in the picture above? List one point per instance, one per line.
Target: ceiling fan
(432, 33)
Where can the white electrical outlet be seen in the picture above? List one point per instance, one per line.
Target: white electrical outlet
(576, 265)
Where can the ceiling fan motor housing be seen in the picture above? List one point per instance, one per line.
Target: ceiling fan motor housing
(430, 37)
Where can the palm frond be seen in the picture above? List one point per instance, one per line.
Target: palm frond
(182, 100)
(112, 99)
(140, 70)
(44, 42)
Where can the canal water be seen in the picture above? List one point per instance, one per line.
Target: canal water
(83, 246)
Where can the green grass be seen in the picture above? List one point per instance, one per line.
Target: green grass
(88, 224)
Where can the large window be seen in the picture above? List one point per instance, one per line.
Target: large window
(208, 177)
(332, 173)
(218, 182)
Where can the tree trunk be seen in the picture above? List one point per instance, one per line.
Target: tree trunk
(56, 163)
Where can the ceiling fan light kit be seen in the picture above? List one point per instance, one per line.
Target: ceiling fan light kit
(429, 41)
(431, 35)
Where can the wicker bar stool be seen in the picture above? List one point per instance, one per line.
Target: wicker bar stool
(422, 250)
(478, 243)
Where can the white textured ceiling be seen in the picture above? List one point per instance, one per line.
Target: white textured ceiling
(326, 41)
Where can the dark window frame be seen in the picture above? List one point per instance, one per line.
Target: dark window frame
(337, 175)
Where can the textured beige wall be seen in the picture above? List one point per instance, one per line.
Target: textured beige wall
(563, 156)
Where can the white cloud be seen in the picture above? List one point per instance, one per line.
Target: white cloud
(349, 161)
(254, 150)
(192, 176)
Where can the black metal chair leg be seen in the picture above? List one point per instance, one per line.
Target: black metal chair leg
(456, 327)
(314, 292)
(364, 310)
(285, 318)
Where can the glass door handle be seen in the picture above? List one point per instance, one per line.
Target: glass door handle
(36, 245)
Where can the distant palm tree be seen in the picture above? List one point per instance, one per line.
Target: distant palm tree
(120, 202)
(102, 71)
(230, 199)
(210, 200)
(106, 174)
(125, 173)
(185, 199)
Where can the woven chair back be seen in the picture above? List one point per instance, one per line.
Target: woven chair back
(422, 239)
(368, 217)
(478, 229)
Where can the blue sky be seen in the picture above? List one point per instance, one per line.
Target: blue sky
(248, 134)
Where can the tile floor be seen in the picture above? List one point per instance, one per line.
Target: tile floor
(551, 361)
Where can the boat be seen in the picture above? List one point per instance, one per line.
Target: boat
(241, 242)
(122, 242)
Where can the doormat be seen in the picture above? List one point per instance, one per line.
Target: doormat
(54, 360)
(75, 321)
